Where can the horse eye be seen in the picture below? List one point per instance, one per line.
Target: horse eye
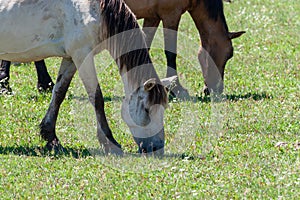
(147, 110)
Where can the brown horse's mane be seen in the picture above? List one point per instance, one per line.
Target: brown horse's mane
(215, 10)
(123, 32)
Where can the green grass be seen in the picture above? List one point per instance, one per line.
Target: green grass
(262, 83)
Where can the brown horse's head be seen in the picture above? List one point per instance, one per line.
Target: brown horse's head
(216, 42)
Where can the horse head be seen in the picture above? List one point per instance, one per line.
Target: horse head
(216, 43)
(143, 112)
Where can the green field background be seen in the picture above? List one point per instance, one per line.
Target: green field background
(247, 147)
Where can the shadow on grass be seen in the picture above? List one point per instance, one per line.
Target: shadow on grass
(203, 99)
(229, 97)
(42, 151)
(106, 98)
(253, 96)
(38, 151)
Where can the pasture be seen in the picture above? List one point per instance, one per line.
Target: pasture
(246, 146)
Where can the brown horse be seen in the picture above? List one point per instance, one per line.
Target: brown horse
(208, 16)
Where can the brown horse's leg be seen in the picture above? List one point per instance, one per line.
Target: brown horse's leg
(170, 24)
(47, 126)
(44, 80)
(149, 27)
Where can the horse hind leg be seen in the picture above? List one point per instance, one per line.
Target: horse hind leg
(47, 126)
(4, 77)
(45, 82)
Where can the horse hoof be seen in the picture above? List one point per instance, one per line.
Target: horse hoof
(4, 87)
(114, 150)
(55, 146)
(5, 91)
(180, 92)
(45, 87)
(206, 91)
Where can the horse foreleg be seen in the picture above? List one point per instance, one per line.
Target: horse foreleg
(47, 126)
(149, 27)
(89, 78)
(44, 80)
(170, 25)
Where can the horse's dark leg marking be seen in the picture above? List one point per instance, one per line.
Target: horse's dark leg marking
(44, 80)
(47, 126)
(4, 77)
(170, 25)
(88, 76)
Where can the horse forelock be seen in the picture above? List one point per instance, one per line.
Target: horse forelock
(158, 95)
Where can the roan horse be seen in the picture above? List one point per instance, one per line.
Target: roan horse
(208, 16)
(73, 29)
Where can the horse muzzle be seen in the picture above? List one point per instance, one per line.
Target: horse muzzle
(153, 145)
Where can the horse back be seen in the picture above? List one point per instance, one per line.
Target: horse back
(36, 29)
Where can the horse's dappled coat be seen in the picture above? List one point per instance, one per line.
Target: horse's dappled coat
(74, 29)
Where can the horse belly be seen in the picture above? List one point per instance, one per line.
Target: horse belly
(29, 31)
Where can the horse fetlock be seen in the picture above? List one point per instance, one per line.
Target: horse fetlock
(47, 132)
(113, 149)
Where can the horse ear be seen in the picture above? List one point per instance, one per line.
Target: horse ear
(233, 35)
(169, 82)
(149, 84)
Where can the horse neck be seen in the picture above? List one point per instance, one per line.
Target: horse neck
(211, 23)
(126, 43)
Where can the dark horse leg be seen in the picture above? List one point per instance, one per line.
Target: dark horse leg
(170, 24)
(47, 126)
(89, 78)
(44, 80)
(4, 77)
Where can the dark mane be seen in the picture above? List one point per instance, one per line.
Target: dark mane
(126, 43)
(215, 10)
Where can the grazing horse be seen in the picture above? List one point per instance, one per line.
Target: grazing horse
(76, 30)
(208, 16)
